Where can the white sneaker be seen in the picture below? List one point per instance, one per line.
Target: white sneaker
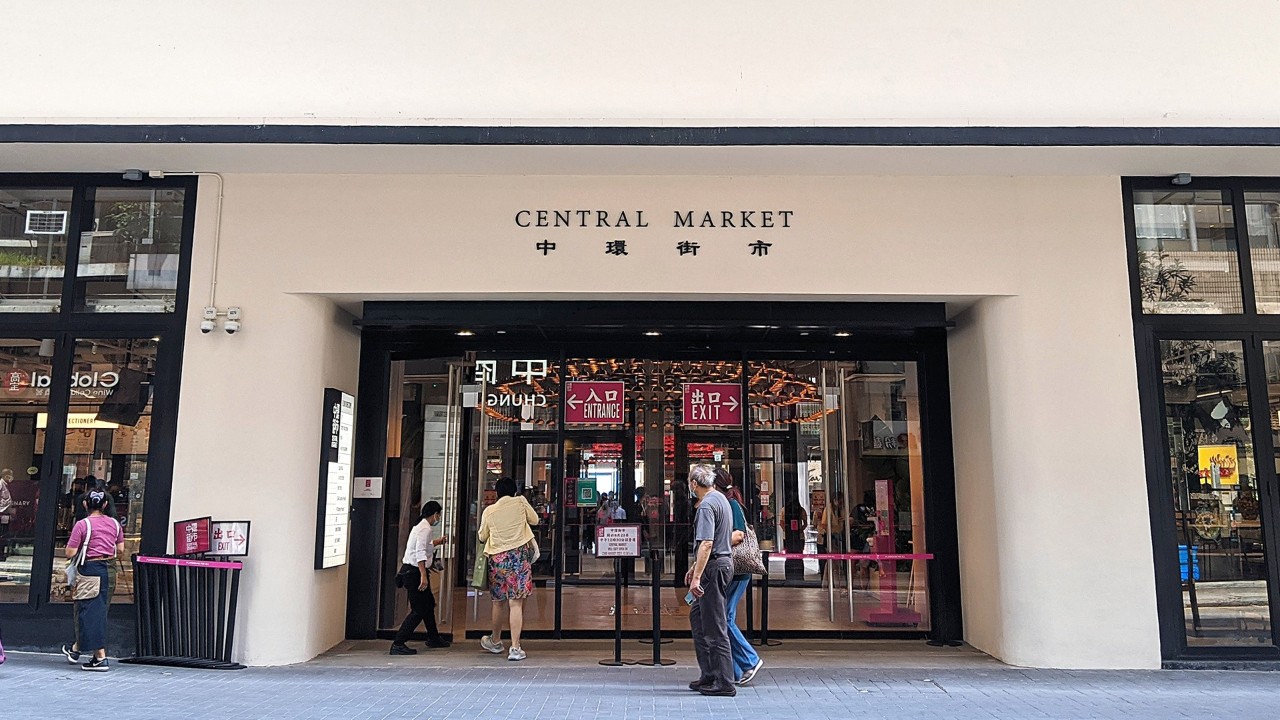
(751, 673)
(516, 654)
(487, 643)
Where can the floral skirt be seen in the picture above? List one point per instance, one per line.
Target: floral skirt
(511, 574)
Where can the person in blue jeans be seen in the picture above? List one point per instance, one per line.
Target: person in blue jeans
(746, 662)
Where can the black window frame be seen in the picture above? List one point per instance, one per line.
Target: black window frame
(71, 324)
(1251, 329)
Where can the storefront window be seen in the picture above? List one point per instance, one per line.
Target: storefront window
(129, 260)
(23, 408)
(108, 441)
(1221, 548)
(1262, 209)
(1187, 259)
(34, 223)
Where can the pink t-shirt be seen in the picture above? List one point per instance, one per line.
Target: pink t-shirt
(106, 535)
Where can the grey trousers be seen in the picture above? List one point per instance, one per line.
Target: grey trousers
(709, 622)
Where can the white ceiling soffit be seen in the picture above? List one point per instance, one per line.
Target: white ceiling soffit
(632, 160)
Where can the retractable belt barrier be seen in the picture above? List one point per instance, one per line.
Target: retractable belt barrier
(889, 614)
(186, 612)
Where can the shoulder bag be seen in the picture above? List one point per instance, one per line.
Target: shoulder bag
(746, 555)
(80, 586)
(480, 571)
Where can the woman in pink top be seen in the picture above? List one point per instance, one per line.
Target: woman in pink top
(106, 541)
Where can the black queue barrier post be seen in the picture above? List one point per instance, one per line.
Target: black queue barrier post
(617, 660)
(658, 660)
(185, 612)
(764, 605)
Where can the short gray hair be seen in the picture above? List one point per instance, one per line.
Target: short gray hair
(703, 475)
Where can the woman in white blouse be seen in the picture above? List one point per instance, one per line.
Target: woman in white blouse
(415, 578)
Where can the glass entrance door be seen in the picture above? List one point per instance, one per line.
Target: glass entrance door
(829, 463)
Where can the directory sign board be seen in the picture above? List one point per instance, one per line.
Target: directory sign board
(713, 404)
(594, 403)
(333, 514)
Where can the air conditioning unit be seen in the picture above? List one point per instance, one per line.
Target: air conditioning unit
(46, 222)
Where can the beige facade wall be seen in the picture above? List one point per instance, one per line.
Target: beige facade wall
(921, 62)
(1054, 531)
(1051, 487)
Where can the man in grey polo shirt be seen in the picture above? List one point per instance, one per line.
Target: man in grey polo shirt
(708, 581)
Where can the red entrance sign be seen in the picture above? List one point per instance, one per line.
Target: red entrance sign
(712, 404)
(594, 403)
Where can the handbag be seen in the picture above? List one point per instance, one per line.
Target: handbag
(78, 585)
(480, 571)
(746, 555)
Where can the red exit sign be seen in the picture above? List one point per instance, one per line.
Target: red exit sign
(712, 404)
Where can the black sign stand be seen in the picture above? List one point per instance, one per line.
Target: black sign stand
(655, 557)
(617, 660)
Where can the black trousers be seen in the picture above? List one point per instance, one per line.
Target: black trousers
(709, 622)
(422, 609)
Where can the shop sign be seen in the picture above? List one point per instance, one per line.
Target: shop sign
(617, 541)
(87, 384)
(230, 538)
(333, 515)
(712, 404)
(192, 537)
(368, 488)
(628, 229)
(594, 403)
(1218, 464)
(77, 420)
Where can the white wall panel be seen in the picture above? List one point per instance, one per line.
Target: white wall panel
(953, 62)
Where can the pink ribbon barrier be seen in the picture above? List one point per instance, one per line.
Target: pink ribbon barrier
(183, 562)
(852, 556)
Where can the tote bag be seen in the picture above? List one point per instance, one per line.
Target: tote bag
(480, 571)
(746, 555)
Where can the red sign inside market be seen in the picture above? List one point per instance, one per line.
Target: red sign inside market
(594, 403)
(712, 404)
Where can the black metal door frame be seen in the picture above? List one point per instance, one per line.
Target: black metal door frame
(698, 330)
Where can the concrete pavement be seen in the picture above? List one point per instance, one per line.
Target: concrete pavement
(807, 681)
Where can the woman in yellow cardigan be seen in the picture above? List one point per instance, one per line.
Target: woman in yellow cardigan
(509, 543)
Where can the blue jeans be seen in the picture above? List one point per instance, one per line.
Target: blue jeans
(744, 656)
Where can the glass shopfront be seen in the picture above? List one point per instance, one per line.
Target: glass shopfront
(93, 274)
(1205, 279)
(828, 458)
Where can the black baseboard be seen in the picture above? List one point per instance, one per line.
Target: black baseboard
(46, 629)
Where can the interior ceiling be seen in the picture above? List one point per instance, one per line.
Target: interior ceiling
(632, 160)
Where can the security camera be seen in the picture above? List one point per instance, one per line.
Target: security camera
(207, 319)
(231, 326)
